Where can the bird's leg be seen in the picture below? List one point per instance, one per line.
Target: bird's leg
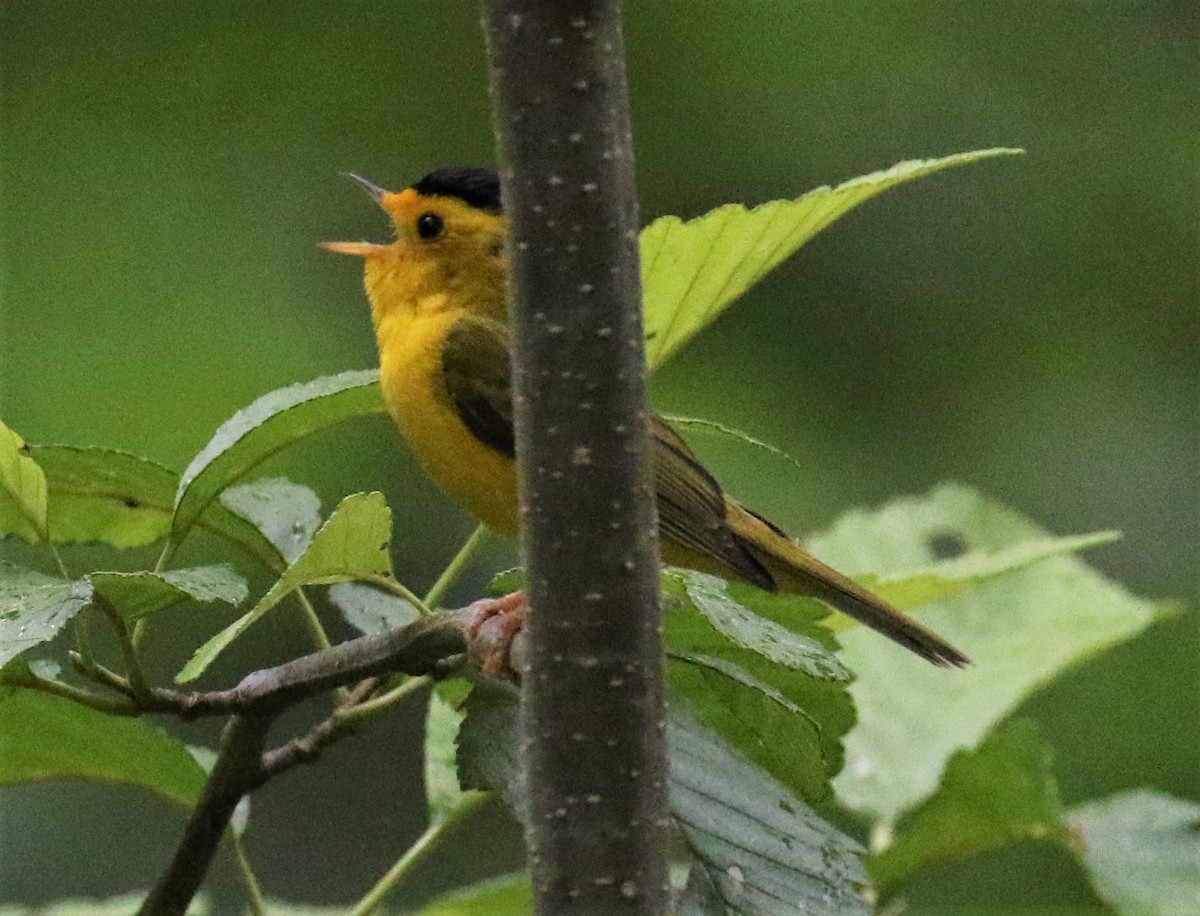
(493, 634)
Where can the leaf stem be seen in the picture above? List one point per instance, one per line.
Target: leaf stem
(320, 637)
(450, 573)
(254, 896)
(133, 668)
(110, 705)
(425, 844)
(400, 591)
(371, 707)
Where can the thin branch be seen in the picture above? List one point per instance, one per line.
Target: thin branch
(450, 573)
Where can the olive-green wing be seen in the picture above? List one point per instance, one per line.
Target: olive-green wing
(477, 371)
(692, 510)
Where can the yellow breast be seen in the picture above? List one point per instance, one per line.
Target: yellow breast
(480, 478)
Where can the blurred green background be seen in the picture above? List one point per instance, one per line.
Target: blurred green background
(1029, 326)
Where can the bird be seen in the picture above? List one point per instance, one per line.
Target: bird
(438, 295)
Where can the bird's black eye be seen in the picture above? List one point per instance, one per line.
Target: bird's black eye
(430, 225)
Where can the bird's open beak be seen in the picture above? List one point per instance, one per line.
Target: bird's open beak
(360, 249)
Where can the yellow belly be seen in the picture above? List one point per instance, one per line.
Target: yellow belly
(481, 479)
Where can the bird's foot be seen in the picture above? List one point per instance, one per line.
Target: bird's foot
(493, 632)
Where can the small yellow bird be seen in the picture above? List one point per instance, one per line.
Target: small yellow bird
(438, 298)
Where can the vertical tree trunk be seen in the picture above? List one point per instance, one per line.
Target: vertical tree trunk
(593, 714)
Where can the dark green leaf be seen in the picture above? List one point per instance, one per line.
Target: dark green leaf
(1142, 852)
(271, 423)
(775, 694)
(139, 594)
(45, 737)
(758, 849)
(355, 543)
(369, 610)
(1021, 629)
(1003, 792)
(34, 607)
(22, 490)
(288, 514)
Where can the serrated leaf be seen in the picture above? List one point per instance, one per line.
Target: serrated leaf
(506, 582)
(1141, 850)
(268, 425)
(1000, 793)
(442, 792)
(354, 543)
(288, 514)
(22, 490)
(776, 695)
(1021, 629)
(511, 895)
(369, 610)
(759, 850)
(138, 594)
(98, 494)
(691, 271)
(34, 607)
(46, 737)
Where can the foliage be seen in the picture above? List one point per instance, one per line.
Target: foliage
(773, 707)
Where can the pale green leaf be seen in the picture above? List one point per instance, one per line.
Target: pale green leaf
(271, 423)
(138, 594)
(34, 607)
(46, 737)
(442, 792)
(22, 490)
(692, 270)
(511, 895)
(1141, 850)
(110, 906)
(354, 543)
(288, 514)
(98, 494)
(1021, 629)
(1000, 793)
(369, 610)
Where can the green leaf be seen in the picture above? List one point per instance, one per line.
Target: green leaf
(369, 610)
(507, 582)
(34, 607)
(1000, 793)
(46, 737)
(759, 850)
(22, 490)
(288, 514)
(728, 432)
(691, 271)
(1141, 850)
(271, 423)
(777, 695)
(1021, 629)
(139, 594)
(355, 543)
(511, 895)
(98, 494)
(442, 791)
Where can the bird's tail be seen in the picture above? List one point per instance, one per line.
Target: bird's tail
(797, 572)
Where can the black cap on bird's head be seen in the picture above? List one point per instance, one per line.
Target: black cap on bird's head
(479, 188)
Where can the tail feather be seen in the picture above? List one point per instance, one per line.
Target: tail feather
(797, 572)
